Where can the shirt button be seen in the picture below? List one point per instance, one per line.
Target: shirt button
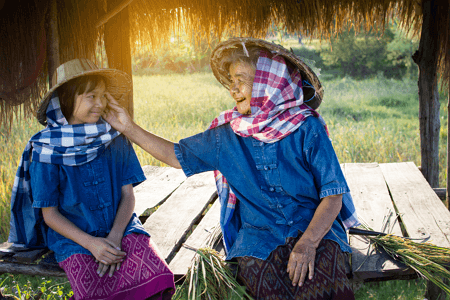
(271, 189)
(290, 222)
(266, 168)
(280, 206)
(95, 182)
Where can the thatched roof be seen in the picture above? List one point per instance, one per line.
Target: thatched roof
(22, 49)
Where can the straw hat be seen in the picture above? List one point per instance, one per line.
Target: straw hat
(223, 75)
(117, 82)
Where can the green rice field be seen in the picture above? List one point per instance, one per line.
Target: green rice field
(373, 120)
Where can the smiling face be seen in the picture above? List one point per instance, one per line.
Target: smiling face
(89, 106)
(242, 75)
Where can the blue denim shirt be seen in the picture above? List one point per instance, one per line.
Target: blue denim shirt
(279, 185)
(88, 195)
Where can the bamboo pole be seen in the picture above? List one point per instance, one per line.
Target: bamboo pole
(52, 40)
(103, 19)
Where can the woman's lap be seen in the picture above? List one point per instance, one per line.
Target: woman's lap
(142, 274)
(268, 279)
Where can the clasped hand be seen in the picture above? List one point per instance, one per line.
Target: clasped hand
(301, 261)
(107, 253)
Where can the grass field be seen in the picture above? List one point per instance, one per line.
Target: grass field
(374, 120)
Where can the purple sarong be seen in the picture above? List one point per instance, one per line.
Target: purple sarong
(142, 274)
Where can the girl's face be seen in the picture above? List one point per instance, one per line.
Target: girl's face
(88, 107)
(242, 75)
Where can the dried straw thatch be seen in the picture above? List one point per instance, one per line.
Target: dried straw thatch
(153, 22)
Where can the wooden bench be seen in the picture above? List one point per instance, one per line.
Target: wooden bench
(187, 211)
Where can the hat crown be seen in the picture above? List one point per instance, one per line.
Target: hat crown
(71, 69)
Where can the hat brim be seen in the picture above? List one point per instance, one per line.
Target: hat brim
(117, 83)
(222, 75)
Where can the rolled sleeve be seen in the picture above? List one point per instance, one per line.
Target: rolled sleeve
(324, 164)
(45, 184)
(198, 153)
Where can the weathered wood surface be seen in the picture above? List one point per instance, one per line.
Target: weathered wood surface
(31, 269)
(160, 184)
(373, 204)
(421, 210)
(198, 239)
(170, 224)
(375, 188)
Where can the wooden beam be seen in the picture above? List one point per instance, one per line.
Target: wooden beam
(52, 40)
(111, 13)
(118, 48)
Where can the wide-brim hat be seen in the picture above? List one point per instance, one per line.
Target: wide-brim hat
(222, 49)
(117, 82)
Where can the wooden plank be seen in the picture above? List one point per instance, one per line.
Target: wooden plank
(35, 269)
(160, 183)
(421, 210)
(169, 225)
(111, 13)
(198, 239)
(373, 203)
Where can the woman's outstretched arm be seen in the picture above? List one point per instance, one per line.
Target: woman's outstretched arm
(158, 147)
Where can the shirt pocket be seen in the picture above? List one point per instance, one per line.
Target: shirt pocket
(252, 237)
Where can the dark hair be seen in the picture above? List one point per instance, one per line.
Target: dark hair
(74, 87)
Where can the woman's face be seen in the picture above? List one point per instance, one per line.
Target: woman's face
(242, 75)
(88, 107)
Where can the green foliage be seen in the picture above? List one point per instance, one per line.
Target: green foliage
(32, 287)
(179, 56)
(367, 53)
(370, 120)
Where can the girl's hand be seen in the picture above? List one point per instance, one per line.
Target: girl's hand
(105, 251)
(300, 261)
(117, 116)
(102, 268)
(116, 240)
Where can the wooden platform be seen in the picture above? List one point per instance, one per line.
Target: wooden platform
(187, 211)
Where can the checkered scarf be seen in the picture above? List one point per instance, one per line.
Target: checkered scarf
(59, 143)
(277, 110)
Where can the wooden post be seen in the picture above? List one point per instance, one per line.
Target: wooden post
(52, 40)
(447, 199)
(117, 44)
(427, 58)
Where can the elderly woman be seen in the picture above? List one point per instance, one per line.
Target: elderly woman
(285, 204)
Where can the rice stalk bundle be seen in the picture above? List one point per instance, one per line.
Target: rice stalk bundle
(429, 261)
(209, 276)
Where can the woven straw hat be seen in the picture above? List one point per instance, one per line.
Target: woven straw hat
(223, 75)
(117, 82)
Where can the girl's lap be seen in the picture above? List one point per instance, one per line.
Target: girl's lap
(143, 273)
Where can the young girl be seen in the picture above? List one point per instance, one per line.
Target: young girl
(81, 178)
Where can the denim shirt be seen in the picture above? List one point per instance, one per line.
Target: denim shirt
(88, 195)
(278, 185)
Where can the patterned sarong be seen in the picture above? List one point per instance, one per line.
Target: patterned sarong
(268, 279)
(142, 274)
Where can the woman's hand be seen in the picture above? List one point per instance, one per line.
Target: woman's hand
(301, 261)
(117, 116)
